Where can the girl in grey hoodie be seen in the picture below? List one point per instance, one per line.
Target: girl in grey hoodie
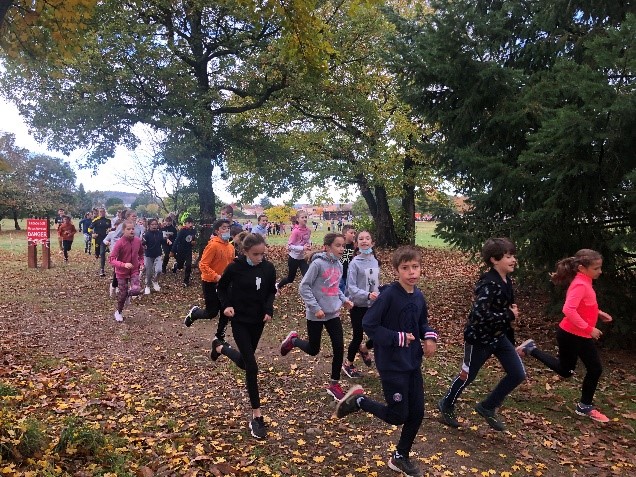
(322, 296)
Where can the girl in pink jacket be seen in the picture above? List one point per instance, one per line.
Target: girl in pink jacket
(577, 331)
(127, 257)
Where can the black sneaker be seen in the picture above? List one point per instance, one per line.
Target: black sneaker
(257, 428)
(174, 268)
(448, 414)
(349, 403)
(102, 273)
(186, 284)
(404, 465)
(221, 339)
(214, 354)
(491, 418)
(189, 319)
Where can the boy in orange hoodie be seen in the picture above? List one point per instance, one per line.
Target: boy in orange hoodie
(218, 254)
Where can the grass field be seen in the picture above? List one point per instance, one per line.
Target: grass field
(424, 235)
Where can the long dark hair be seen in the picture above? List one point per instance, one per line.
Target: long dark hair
(567, 268)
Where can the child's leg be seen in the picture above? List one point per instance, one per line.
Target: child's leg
(314, 334)
(135, 286)
(102, 258)
(148, 269)
(292, 269)
(123, 294)
(565, 364)
(246, 338)
(166, 259)
(156, 268)
(66, 246)
(304, 266)
(515, 374)
(356, 314)
(334, 329)
(474, 358)
(590, 358)
(211, 300)
(188, 268)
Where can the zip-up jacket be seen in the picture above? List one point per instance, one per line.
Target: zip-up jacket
(580, 307)
(124, 251)
(394, 314)
(101, 227)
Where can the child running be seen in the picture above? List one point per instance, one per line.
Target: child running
(126, 258)
(246, 292)
(66, 232)
(297, 245)
(182, 250)
(323, 300)
(152, 240)
(577, 331)
(398, 325)
(486, 334)
(218, 254)
(349, 233)
(362, 289)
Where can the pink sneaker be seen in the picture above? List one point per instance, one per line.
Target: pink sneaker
(335, 391)
(288, 343)
(592, 413)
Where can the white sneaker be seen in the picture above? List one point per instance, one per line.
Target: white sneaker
(111, 290)
(155, 286)
(147, 291)
(119, 317)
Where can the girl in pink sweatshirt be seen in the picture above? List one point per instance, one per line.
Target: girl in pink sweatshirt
(127, 257)
(577, 331)
(299, 242)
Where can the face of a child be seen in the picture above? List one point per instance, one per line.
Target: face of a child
(263, 221)
(66, 220)
(506, 265)
(188, 225)
(256, 253)
(336, 247)
(153, 225)
(408, 273)
(223, 229)
(593, 270)
(364, 241)
(350, 236)
(302, 219)
(129, 231)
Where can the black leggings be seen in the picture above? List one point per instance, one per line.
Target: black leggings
(293, 264)
(312, 347)
(356, 313)
(246, 337)
(572, 347)
(212, 308)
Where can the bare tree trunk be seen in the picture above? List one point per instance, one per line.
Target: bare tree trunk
(15, 219)
(4, 8)
(204, 186)
(378, 204)
(408, 201)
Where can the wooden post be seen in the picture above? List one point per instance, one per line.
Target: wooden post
(32, 254)
(46, 255)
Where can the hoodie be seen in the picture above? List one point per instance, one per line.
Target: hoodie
(297, 241)
(127, 250)
(250, 290)
(363, 278)
(490, 317)
(395, 313)
(319, 287)
(218, 254)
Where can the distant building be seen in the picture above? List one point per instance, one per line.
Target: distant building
(337, 211)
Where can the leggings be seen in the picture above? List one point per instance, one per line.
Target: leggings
(293, 264)
(356, 313)
(153, 268)
(475, 355)
(246, 337)
(125, 292)
(312, 346)
(572, 347)
(212, 308)
(66, 247)
(404, 395)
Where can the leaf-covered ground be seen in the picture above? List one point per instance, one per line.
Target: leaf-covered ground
(142, 398)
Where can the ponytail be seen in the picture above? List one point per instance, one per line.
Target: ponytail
(567, 268)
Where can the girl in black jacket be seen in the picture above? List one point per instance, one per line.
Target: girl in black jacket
(246, 291)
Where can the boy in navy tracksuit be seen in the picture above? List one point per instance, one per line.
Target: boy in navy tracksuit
(182, 249)
(398, 324)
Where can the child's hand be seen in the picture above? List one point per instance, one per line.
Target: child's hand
(267, 318)
(515, 310)
(229, 311)
(169, 242)
(374, 296)
(596, 333)
(409, 337)
(128, 265)
(348, 304)
(429, 347)
(307, 247)
(320, 314)
(604, 316)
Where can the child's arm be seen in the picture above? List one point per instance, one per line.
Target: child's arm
(428, 334)
(355, 294)
(208, 256)
(223, 287)
(294, 242)
(305, 289)
(113, 258)
(140, 255)
(271, 293)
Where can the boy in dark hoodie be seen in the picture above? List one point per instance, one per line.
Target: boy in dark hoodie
(487, 333)
(182, 250)
(398, 324)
